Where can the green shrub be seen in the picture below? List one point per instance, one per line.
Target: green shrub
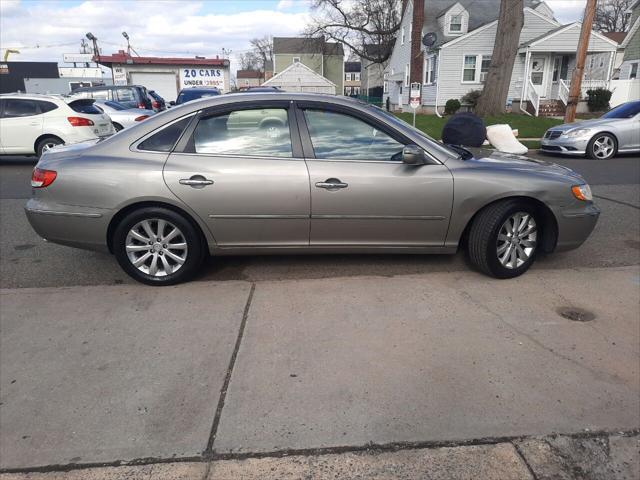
(598, 99)
(452, 106)
(471, 98)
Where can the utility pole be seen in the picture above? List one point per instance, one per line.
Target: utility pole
(581, 56)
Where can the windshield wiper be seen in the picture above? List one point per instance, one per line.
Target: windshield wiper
(464, 153)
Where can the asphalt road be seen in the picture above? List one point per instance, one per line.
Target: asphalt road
(27, 261)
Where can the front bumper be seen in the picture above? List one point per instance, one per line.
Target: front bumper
(575, 225)
(565, 145)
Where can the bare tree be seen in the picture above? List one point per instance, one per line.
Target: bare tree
(357, 23)
(262, 49)
(611, 16)
(496, 87)
(250, 60)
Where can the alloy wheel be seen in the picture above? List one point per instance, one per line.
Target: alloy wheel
(156, 247)
(603, 147)
(517, 240)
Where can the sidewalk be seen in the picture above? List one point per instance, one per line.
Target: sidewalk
(233, 370)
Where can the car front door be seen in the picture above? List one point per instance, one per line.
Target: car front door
(629, 133)
(361, 192)
(245, 178)
(20, 125)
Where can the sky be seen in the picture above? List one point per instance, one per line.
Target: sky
(42, 30)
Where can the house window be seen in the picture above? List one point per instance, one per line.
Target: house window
(484, 67)
(564, 68)
(406, 75)
(356, 76)
(601, 62)
(296, 59)
(385, 87)
(469, 68)
(347, 77)
(634, 71)
(429, 71)
(402, 36)
(455, 25)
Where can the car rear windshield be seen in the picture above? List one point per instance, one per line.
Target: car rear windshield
(626, 110)
(193, 94)
(84, 105)
(115, 105)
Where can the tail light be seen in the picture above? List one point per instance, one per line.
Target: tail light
(41, 178)
(80, 122)
(155, 104)
(140, 118)
(141, 105)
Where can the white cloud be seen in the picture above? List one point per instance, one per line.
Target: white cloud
(567, 11)
(284, 4)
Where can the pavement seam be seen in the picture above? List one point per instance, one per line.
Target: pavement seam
(369, 448)
(524, 459)
(227, 379)
(620, 202)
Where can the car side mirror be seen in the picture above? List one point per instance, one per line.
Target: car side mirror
(413, 155)
(172, 103)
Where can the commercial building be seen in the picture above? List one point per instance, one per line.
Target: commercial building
(167, 75)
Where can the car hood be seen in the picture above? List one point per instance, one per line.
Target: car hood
(500, 160)
(596, 122)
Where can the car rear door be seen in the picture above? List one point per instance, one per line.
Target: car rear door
(248, 181)
(361, 192)
(20, 126)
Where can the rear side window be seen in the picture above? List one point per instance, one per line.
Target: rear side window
(165, 139)
(125, 95)
(84, 106)
(17, 107)
(46, 106)
(115, 105)
(98, 94)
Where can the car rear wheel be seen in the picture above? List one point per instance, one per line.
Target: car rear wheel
(46, 144)
(504, 239)
(602, 146)
(158, 246)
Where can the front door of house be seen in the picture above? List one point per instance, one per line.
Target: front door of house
(538, 74)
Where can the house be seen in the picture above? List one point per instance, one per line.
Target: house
(463, 34)
(249, 78)
(322, 57)
(297, 77)
(372, 74)
(352, 78)
(631, 44)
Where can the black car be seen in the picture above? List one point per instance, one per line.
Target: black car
(157, 102)
(132, 96)
(189, 94)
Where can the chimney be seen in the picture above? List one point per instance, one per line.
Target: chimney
(417, 58)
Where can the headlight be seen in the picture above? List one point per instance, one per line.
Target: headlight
(578, 132)
(582, 192)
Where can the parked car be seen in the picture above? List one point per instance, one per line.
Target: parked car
(33, 123)
(259, 89)
(132, 96)
(194, 93)
(121, 116)
(157, 102)
(338, 176)
(617, 131)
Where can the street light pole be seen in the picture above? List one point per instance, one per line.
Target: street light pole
(581, 56)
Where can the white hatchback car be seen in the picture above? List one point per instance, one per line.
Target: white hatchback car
(33, 123)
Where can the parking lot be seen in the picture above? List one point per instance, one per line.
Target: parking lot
(264, 357)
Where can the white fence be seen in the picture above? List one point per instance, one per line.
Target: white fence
(624, 91)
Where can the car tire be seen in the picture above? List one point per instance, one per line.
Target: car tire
(602, 146)
(169, 257)
(491, 246)
(47, 143)
(117, 127)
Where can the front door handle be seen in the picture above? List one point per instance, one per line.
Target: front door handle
(196, 181)
(332, 184)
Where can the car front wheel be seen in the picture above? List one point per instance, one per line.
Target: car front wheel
(158, 246)
(602, 146)
(504, 238)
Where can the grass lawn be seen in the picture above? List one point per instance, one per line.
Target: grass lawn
(528, 127)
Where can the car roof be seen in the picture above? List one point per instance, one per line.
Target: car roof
(33, 96)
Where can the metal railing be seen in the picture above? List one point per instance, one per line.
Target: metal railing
(585, 85)
(533, 97)
(563, 92)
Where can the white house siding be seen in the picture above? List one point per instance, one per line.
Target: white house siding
(561, 41)
(482, 43)
(400, 57)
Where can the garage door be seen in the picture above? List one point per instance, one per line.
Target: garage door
(163, 83)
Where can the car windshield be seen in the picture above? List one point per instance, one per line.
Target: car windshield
(195, 93)
(399, 122)
(626, 110)
(115, 105)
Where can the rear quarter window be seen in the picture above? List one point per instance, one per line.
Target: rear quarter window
(165, 139)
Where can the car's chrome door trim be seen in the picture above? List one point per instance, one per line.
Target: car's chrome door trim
(380, 217)
(260, 217)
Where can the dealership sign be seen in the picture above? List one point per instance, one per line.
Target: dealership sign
(202, 77)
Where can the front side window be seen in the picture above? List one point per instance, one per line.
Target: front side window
(165, 139)
(456, 23)
(258, 132)
(469, 68)
(337, 136)
(16, 107)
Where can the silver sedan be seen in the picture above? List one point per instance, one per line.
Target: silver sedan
(617, 131)
(121, 116)
(291, 173)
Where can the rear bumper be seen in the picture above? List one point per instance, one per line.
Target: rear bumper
(70, 225)
(575, 226)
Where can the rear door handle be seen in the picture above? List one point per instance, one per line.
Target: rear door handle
(332, 184)
(196, 181)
